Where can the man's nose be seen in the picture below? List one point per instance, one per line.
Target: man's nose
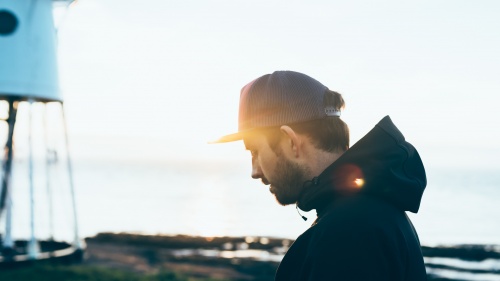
(256, 171)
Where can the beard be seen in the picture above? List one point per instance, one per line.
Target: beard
(287, 181)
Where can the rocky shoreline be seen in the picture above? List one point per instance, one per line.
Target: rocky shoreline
(256, 258)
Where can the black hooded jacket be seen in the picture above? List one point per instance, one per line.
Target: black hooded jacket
(362, 231)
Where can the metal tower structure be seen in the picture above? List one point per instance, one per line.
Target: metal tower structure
(28, 78)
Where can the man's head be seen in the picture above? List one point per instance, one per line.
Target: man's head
(291, 124)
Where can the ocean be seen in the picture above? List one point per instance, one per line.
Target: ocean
(220, 199)
(217, 198)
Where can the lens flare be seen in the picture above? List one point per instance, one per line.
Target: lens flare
(359, 182)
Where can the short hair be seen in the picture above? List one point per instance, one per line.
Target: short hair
(330, 133)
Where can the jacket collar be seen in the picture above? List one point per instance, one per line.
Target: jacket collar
(382, 164)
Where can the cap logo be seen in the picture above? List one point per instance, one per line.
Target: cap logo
(331, 111)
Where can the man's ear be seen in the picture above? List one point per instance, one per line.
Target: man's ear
(293, 141)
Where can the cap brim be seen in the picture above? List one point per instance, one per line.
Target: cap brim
(229, 138)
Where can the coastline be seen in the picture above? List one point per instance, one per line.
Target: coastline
(139, 257)
(256, 258)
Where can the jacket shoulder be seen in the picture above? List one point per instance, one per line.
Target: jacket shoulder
(359, 239)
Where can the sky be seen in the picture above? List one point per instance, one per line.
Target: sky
(158, 79)
(149, 82)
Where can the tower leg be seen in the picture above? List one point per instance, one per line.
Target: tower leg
(48, 168)
(6, 193)
(77, 242)
(33, 248)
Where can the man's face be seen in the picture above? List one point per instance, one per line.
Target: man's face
(275, 169)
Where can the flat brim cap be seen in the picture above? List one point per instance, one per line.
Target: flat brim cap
(280, 98)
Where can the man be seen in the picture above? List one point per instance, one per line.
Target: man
(300, 148)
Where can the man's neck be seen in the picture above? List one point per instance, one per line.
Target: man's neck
(322, 160)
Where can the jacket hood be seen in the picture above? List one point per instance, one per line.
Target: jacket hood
(382, 164)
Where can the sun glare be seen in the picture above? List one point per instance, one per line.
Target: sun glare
(359, 182)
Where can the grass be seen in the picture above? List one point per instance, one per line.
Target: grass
(87, 273)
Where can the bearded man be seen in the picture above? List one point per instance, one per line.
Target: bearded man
(291, 124)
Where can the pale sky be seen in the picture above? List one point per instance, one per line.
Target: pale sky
(149, 82)
(161, 78)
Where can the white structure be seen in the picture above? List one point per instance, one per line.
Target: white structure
(28, 73)
(28, 65)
